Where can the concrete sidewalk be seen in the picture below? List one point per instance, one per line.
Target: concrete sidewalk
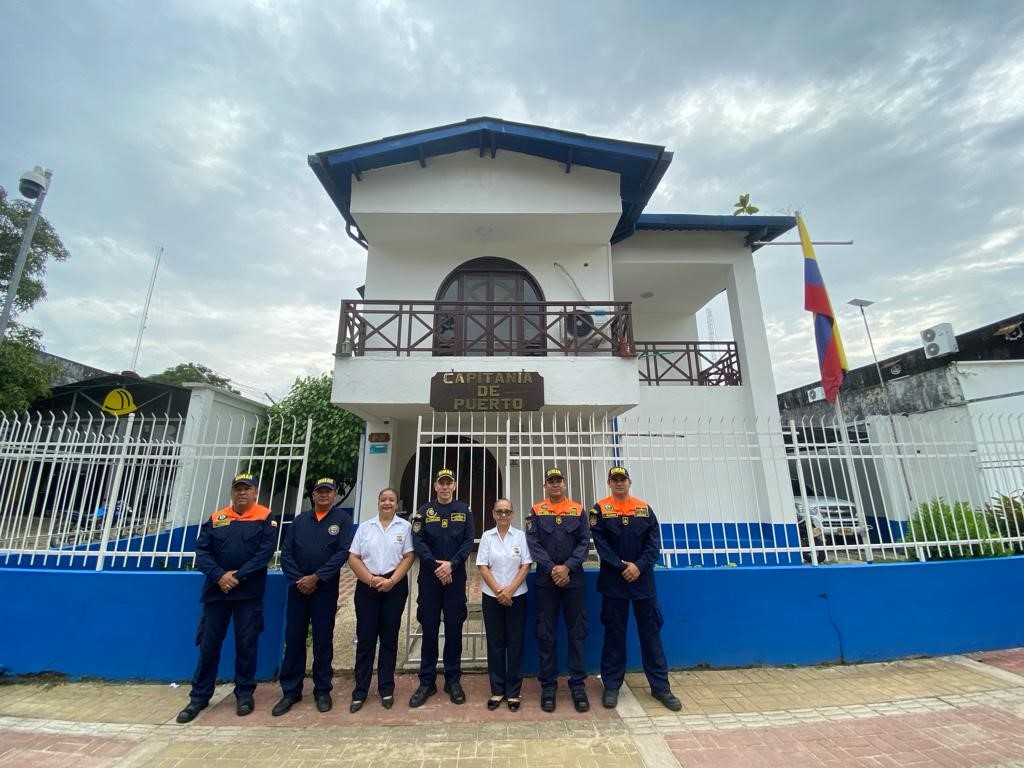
(952, 711)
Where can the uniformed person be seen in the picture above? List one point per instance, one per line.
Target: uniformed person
(628, 541)
(442, 535)
(232, 551)
(559, 540)
(314, 550)
(381, 557)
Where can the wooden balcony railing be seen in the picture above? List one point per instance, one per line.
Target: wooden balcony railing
(485, 329)
(694, 363)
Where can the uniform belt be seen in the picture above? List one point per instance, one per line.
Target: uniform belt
(387, 575)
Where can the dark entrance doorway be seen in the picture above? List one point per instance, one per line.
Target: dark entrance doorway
(476, 471)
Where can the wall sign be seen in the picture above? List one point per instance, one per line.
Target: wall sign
(487, 391)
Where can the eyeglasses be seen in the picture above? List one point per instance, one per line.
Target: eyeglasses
(503, 512)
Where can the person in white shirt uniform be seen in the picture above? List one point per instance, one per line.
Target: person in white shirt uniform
(504, 560)
(380, 556)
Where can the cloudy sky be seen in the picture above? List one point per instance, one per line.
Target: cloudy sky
(899, 125)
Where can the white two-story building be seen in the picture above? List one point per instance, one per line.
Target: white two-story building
(521, 310)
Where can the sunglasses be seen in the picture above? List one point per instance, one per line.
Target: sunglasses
(503, 512)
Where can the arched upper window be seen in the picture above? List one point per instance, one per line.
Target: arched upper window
(502, 317)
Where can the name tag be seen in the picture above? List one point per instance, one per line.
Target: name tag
(458, 517)
(642, 512)
(400, 538)
(515, 551)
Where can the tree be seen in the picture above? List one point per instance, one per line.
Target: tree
(334, 443)
(743, 206)
(46, 245)
(23, 379)
(184, 373)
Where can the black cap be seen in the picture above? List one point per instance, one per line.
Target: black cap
(618, 472)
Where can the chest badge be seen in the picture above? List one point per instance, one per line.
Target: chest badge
(625, 521)
(444, 523)
(558, 520)
(334, 530)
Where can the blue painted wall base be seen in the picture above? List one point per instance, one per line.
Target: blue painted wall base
(125, 625)
(118, 625)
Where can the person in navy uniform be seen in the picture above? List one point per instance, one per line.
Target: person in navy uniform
(628, 541)
(314, 550)
(559, 539)
(233, 550)
(442, 536)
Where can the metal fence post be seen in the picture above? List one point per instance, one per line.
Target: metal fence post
(115, 493)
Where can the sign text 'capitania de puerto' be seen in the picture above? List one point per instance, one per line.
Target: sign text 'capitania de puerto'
(487, 391)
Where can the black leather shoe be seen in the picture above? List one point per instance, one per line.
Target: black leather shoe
(387, 701)
(455, 692)
(286, 703)
(580, 700)
(244, 706)
(355, 706)
(190, 712)
(547, 699)
(669, 700)
(421, 694)
(494, 702)
(323, 702)
(610, 698)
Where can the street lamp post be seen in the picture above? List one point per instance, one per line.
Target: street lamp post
(33, 185)
(860, 304)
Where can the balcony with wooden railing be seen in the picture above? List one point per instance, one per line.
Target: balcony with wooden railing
(535, 329)
(688, 363)
(475, 329)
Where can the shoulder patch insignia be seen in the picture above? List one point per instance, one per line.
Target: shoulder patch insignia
(334, 530)
(416, 526)
(608, 507)
(222, 516)
(529, 523)
(273, 523)
(642, 512)
(544, 507)
(593, 517)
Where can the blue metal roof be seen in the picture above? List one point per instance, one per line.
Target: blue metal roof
(758, 228)
(640, 166)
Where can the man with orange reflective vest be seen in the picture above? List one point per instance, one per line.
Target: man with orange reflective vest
(628, 541)
(233, 550)
(314, 549)
(559, 540)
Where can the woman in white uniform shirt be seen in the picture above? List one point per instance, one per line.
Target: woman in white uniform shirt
(504, 559)
(380, 556)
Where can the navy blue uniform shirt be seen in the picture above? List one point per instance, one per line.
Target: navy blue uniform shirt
(629, 531)
(558, 534)
(317, 546)
(442, 532)
(245, 545)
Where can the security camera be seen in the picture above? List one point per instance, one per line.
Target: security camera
(33, 183)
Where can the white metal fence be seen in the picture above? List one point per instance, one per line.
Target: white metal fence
(130, 492)
(727, 491)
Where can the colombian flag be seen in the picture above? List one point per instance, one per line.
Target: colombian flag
(831, 356)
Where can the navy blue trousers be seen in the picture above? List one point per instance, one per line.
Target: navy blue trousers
(434, 599)
(213, 628)
(378, 621)
(614, 615)
(506, 628)
(319, 609)
(573, 603)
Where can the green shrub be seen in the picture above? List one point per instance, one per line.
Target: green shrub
(1006, 515)
(937, 521)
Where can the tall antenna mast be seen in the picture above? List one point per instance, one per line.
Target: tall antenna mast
(145, 309)
(712, 336)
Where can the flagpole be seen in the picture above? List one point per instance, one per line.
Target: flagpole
(854, 482)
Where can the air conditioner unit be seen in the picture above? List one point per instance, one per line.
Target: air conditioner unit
(579, 328)
(939, 340)
(814, 394)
